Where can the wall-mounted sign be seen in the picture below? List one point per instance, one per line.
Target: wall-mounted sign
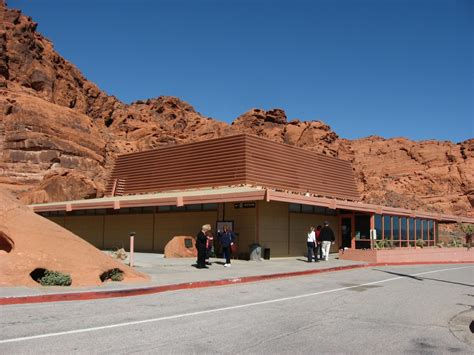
(244, 205)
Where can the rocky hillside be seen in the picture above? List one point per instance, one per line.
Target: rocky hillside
(59, 134)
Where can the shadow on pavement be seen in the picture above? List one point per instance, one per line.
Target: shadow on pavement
(423, 278)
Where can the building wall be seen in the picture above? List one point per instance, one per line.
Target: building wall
(90, 228)
(276, 228)
(168, 225)
(273, 227)
(118, 227)
(245, 222)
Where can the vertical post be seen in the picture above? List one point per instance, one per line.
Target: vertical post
(132, 247)
(372, 231)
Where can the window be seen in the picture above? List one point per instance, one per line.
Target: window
(362, 227)
(378, 226)
(411, 229)
(403, 231)
(387, 227)
(419, 235)
(209, 207)
(294, 207)
(396, 230)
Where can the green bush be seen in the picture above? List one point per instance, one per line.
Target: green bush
(112, 274)
(55, 278)
(420, 243)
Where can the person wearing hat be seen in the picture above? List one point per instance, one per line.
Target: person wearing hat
(327, 238)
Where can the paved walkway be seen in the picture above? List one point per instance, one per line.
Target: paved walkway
(165, 271)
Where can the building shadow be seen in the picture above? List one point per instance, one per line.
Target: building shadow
(423, 278)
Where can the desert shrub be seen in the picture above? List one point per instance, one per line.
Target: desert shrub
(112, 274)
(51, 278)
(455, 243)
(420, 243)
(120, 254)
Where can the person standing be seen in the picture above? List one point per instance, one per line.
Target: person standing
(226, 238)
(311, 242)
(318, 251)
(201, 241)
(327, 238)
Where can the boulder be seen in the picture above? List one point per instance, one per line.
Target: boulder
(181, 247)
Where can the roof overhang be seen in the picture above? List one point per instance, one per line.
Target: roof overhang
(236, 194)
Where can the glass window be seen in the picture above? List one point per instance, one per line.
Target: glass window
(319, 210)
(387, 227)
(431, 230)
(135, 210)
(306, 209)
(396, 228)
(362, 227)
(418, 229)
(101, 211)
(149, 209)
(209, 207)
(195, 207)
(331, 212)
(403, 228)
(412, 228)
(164, 208)
(425, 229)
(294, 207)
(124, 210)
(378, 225)
(178, 208)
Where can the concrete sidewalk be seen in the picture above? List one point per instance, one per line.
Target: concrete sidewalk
(180, 271)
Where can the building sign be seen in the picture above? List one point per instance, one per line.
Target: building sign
(244, 205)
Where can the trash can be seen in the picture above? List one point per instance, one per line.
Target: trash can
(255, 252)
(266, 253)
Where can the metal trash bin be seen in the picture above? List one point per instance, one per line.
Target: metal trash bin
(255, 252)
(266, 253)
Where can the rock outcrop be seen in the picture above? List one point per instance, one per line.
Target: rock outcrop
(59, 135)
(29, 242)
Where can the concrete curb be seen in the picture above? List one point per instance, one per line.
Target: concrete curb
(94, 295)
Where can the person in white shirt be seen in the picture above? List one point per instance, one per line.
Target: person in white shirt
(311, 242)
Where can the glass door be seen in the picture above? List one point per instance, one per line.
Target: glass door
(347, 231)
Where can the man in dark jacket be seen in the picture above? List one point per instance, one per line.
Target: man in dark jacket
(226, 238)
(201, 241)
(327, 238)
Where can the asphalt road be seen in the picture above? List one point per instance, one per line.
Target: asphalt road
(409, 309)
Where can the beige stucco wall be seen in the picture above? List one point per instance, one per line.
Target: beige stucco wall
(168, 225)
(244, 225)
(117, 229)
(299, 226)
(90, 228)
(273, 227)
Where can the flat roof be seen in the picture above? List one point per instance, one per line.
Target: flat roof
(237, 194)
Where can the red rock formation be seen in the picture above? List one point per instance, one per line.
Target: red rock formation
(29, 242)
(176, 248)
(59, 134)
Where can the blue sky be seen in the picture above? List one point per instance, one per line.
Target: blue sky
(365, 67)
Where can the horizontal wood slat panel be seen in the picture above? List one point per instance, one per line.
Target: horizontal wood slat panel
(234, 160)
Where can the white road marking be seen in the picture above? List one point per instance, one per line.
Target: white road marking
(85, 330)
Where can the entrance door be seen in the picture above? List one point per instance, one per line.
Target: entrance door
(347, 228)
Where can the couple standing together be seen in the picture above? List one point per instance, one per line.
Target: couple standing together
(204, 242)
(319, 241)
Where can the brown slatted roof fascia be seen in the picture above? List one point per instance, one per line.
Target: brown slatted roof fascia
(237, 159)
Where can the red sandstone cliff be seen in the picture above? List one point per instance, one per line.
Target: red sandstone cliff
(59, 134)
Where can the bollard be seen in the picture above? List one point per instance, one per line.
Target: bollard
(132, 241)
